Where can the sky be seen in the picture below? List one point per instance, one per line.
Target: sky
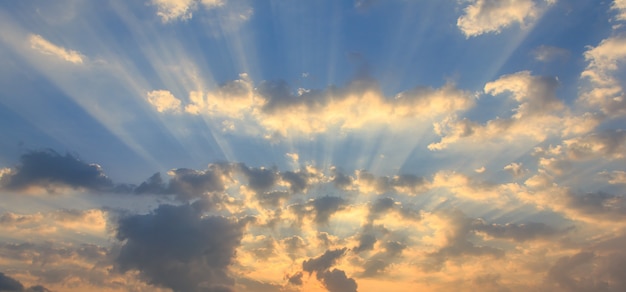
(281, 145)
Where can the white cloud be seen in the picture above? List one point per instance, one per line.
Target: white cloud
(485, 16)
(605, 90)
(163, 100)
(620, 6)
(538, 115)
(273, 108)
(43, 46)
(170, 10)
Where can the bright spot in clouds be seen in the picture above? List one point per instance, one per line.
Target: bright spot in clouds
(238, 145)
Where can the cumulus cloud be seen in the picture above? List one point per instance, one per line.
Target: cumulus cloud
(179, 248)
(539, 114)
(49, 169)
(171, 10)
(163, 101)
(604, 91)
(491, 16)
(9, 284)
(273, 107)
(45, 47)
(334, 280)
(516, 169)
(517, 232)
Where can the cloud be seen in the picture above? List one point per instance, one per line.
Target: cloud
(457, 244)
(491, 16)
(620, 7)
(171, 10)
(614, 177)
(179, 248)
(539, 114)
(610, 144)
(273, 108)
(48, 169)
(9, 284)
(324, 261)
(45, 47)
(335, 280)
(516, 169)
(163, 101)
(604, 90)
(321, 208)
(517, 232)
(548, 54)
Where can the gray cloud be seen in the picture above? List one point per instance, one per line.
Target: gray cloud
(177, 247)
(320, 208)
(517, 232)
(458, 243)
(9, 284)
(381, 260)
(48, 169)
(337, 281)
(323, 262)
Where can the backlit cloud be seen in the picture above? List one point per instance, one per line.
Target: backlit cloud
(45, 47)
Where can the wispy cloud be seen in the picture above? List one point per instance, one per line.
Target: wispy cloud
(44, 46)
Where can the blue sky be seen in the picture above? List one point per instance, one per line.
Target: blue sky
(237, 145)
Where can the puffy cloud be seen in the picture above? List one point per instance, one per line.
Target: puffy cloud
(607, 144)
(516, 169)
(620, 6)
(179, 248)
(45, 47)
(334, 280)
(337, 281)
(604, 90)
(9, 284)
(163, 100)
(404, 183)
(539, 114)
(170, 10)
(324, 261)
(485, 16)
(458, 229)
(273, 108)
(49, 169)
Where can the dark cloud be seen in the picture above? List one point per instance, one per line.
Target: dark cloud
(259, 179)
(153, 185)
(517, 232)
(341, 180)
(48, 169)
(295, 279)
(337, 281)
(273, 199)
(600, 205)
(320, 208)
(177, 247)
(380, 261)
(189, 183)
(404, 183)
(294, 245)
(298, 181)
(327, 206)
(323, 262)
(9, 284)
(386, 205)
